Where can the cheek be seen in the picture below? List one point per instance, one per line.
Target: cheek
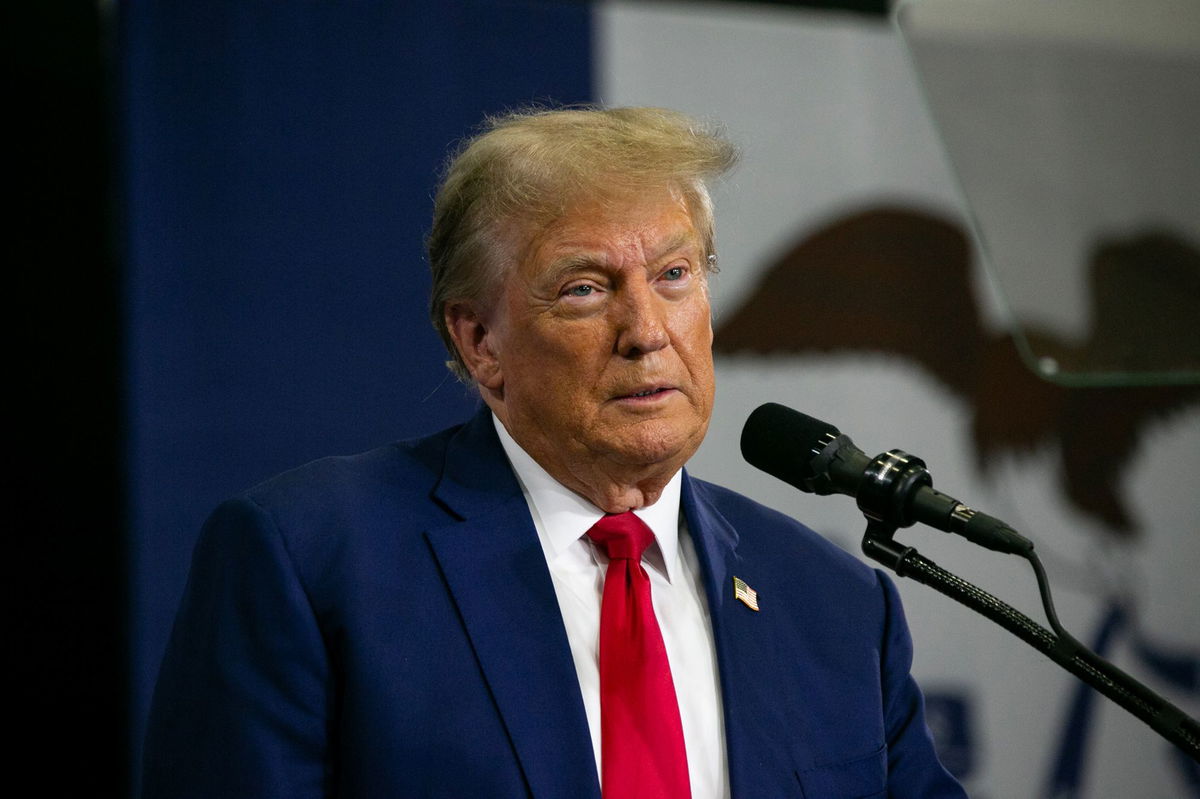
(562, 357)
(702, 350)
(580, 348)
(694, 329)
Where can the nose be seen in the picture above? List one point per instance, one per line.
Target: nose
(641, 321)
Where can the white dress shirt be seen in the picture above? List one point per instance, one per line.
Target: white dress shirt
(577, 569)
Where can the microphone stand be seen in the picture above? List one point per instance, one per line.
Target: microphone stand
(1163, 717)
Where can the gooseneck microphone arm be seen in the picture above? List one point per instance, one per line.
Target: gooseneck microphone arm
(894, 490)
(1163, 717)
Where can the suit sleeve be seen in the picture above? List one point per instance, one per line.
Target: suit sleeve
(913, 766)
(243, 702)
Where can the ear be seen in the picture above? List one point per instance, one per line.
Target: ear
(473, 339)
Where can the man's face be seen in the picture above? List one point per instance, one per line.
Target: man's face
(602, 340)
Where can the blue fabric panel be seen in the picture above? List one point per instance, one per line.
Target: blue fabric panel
(279, 162)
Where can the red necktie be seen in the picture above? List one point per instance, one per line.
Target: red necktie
(641, 738)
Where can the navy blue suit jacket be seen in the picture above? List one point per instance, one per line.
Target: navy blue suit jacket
(384, 625)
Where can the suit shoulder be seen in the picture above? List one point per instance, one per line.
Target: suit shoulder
(345, 503)
(334, 517)
(398, 469)
(764, 528)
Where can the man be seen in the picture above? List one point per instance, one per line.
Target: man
(456, 616)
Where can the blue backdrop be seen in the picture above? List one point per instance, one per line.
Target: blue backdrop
(278, 167)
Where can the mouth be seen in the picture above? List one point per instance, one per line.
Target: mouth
(647, 394)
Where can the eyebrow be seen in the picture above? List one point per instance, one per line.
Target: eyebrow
(678, 242)
(578, 262)
(565, 266)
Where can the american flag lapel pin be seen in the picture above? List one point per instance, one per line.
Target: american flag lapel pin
(747, 595)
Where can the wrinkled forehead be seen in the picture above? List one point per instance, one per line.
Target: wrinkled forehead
(609, 209)
(638, 234)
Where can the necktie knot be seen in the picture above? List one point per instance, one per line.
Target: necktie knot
(622, 536)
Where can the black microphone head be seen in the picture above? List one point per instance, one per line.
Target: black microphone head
(788, 444)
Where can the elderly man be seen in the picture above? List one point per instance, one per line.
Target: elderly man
(541, 602)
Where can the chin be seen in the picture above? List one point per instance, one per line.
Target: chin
(658, 441)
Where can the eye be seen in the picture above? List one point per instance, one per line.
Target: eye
(581, 290)
(675, 273)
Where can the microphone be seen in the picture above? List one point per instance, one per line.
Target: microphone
(893, 488)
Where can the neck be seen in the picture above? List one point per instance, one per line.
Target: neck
(611, 487)
(615, 495)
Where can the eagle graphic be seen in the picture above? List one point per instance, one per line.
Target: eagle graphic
(896, 281)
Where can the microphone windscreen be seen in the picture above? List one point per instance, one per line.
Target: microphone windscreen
(784, 442)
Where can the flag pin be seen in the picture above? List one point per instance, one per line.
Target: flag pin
(743, 592)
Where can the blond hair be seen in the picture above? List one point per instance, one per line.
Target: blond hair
(528, 168)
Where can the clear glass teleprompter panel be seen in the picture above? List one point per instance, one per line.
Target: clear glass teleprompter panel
(1073, 127)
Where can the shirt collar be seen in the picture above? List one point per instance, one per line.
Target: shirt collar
(566, 517)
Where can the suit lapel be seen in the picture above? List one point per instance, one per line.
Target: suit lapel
(496, 572)
(759, 737)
